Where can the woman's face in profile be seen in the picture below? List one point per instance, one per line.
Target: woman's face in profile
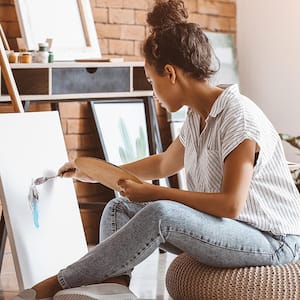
(162, 88)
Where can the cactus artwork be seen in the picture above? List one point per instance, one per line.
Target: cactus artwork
(127, 151)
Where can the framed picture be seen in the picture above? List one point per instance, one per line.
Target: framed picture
(69, 24)
(124, 129)
(128, 130)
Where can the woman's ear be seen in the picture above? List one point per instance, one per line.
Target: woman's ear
(170, 72)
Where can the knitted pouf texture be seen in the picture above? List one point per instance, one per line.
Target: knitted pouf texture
(187, 279)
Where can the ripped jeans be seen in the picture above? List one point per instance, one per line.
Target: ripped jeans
(130, 232)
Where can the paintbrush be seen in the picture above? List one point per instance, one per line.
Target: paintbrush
(43, 179)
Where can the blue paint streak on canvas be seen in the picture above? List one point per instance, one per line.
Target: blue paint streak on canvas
(35, 213)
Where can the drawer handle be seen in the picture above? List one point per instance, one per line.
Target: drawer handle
(91, 70)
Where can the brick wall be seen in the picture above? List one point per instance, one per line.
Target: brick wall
(120, 26)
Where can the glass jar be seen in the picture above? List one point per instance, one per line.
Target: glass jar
(25, 58)
(51, 57)
(42, 54)
(13, 57)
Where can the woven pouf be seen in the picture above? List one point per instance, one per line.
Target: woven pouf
(187, 279)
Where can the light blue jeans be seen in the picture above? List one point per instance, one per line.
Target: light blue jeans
(130, 232)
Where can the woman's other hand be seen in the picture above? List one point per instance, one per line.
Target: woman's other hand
(137, 192)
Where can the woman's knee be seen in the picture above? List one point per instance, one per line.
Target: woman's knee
(113, 217)
(163, 209)
(113, 204)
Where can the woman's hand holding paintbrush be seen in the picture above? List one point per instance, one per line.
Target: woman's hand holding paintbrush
(68, 170)
(65, 171)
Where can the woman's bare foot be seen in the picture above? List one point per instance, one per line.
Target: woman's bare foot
(47, 288)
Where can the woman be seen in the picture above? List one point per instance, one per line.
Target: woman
(241, 207)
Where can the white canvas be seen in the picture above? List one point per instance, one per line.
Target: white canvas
(32, 145)
(69, 23)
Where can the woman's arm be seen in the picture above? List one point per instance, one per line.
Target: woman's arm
(153, 167)
(159, 165)
(238, 171)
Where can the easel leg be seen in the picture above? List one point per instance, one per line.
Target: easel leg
(3, 236)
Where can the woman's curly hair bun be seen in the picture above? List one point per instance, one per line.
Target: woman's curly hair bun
(166, 14)
(173, 40)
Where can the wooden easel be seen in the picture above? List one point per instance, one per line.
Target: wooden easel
(3, 38)
(18, 107)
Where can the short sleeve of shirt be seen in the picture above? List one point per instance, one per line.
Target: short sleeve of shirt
(238, 126)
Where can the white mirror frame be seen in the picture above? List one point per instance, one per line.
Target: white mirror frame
(72, 21)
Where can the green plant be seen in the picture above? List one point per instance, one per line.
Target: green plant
(127, 153)
(295, 142)
(292, 140)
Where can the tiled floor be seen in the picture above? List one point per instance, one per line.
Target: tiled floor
(148, 279)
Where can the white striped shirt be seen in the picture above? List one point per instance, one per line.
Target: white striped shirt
(273, 202)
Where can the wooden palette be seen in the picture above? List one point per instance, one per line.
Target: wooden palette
(104, 172)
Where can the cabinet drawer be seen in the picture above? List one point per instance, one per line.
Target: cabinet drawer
(90, 80)
(29, 81)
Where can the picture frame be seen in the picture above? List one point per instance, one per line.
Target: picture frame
(128, 130)
(56, 20)
(124, 129)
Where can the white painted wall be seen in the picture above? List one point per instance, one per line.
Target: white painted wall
(268, 46)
